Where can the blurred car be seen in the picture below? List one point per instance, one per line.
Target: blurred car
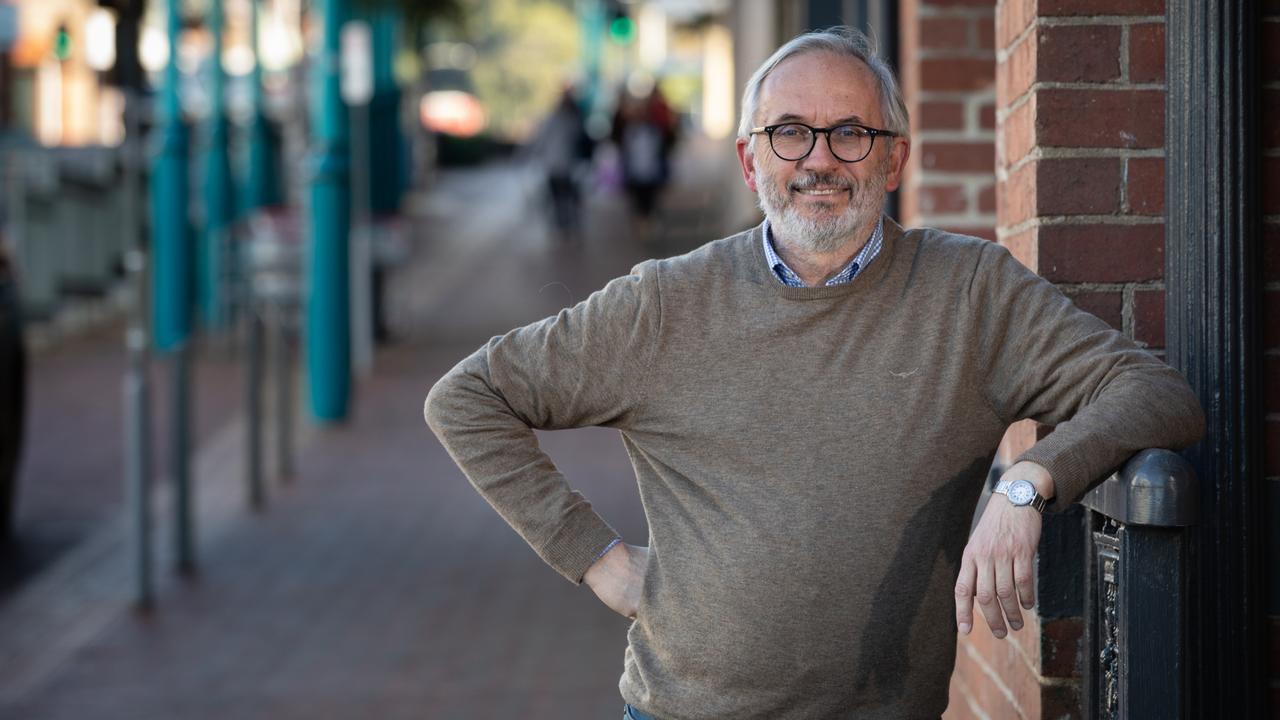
(13, 373)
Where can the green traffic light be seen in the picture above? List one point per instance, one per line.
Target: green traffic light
(62, 44)
(622, 30)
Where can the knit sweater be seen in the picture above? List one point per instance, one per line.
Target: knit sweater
(809, 459)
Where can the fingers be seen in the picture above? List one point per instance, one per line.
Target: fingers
(1024, 580)
(987, 602)
(1007, 594)
(965, 585)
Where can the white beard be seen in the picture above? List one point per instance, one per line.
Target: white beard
(820, 232)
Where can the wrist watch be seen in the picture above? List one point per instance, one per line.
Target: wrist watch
(1021, 493)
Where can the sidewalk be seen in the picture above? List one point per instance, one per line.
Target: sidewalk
(378, 584)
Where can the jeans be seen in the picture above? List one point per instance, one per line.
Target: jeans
(630, 713)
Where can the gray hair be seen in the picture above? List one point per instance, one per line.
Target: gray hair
(841, 40)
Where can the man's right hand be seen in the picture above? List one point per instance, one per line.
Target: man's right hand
(617, 577)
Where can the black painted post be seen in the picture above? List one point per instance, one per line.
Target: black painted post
(1212, 302)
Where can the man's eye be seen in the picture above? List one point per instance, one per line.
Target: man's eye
(790, 131)
(849, 132)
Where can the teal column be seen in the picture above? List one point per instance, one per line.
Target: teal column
(388, 172)
(328, 294)
(171, 248)
(219, 197)
(591, 26)
(263, 184)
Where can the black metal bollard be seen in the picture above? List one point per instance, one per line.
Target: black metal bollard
(1136, 588)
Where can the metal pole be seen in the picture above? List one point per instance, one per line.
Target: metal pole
(328, 295)
(282, 362)
(361, 242)
(253, 402)
(218, 190)
(263, 184)
(171, 276)
(137, 431)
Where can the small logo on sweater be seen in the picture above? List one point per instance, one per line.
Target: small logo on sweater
(904, 374)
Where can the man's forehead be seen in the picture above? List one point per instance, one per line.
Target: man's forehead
(820, 86)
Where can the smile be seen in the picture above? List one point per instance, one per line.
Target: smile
(820, 191)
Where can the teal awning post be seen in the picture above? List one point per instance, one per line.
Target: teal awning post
(388, 172)
(171, 247)
(219, 190)
(263, 186)
(591, 26)
(328, 322)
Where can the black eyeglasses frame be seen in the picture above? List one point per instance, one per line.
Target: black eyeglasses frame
(873, 133)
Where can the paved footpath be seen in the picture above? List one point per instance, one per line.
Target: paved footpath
(377, 584)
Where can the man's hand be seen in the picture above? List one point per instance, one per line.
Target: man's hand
(997, 566)
(618, 577)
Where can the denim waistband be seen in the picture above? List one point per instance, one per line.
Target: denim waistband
(630, 713)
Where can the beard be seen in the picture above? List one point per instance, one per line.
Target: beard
(820, 230)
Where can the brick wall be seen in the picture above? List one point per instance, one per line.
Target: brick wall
(1079, 163)
(1269, 139)
(948, 75)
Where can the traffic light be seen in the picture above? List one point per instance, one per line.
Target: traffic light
(620, 26)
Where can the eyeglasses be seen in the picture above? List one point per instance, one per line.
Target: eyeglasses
(849, 143)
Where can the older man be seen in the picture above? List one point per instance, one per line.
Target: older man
(811, 407)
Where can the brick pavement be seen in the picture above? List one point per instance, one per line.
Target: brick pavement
(378, 584)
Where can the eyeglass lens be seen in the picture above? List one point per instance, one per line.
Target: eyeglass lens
(849, 143)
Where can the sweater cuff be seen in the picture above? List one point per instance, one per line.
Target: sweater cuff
(578, 543)
(1067, 469)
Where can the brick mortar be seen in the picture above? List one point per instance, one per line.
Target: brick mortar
(1003, 231)
(969, 698)
(955, 54)
(1124, 53)
(1040, 152)
(933, 12)
(1081, 287)
(1077, 21)
(1126, 312)
(996, 680)
(1124, 184)
(958, 96)
(954, 135)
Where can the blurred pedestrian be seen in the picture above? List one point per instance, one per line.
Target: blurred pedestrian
(563, 148)
(645, 132)
(12, 392)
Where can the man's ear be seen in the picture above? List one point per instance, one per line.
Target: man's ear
(746, 158)
(898, 154)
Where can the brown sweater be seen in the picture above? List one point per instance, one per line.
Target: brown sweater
(809, 458)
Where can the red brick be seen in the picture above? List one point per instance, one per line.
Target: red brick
(1019, 132)
(941, 115)
(1018, 196)
(1271, 381)
(1269, 50)
(1016, 75)
(985, 29)
(1269, 118)
(987, 199)
(1148, 317)
(1023, 248)
(1272, 432)
(1146, 53)
(944, 33)
(1012, 19)
(1100, 118)
(1101, 253)
(987, 116)
(942, 199)
(957, 74)
(1145, 186)
(1106, 305)
(958, 156)
(1047, 8)
(979, 231)
(1271, 320)
(1061, 647)
(1077, 186)
(1271, 185)
(1078, 53)
(1060, 701)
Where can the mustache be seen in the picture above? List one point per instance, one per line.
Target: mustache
(812, 180)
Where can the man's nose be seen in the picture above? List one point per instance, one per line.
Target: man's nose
(820, 157)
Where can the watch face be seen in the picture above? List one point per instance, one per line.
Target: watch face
(1021, 492)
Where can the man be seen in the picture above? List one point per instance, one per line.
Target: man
(811, 407)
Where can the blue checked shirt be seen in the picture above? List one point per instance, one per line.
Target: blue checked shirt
(788, 277)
